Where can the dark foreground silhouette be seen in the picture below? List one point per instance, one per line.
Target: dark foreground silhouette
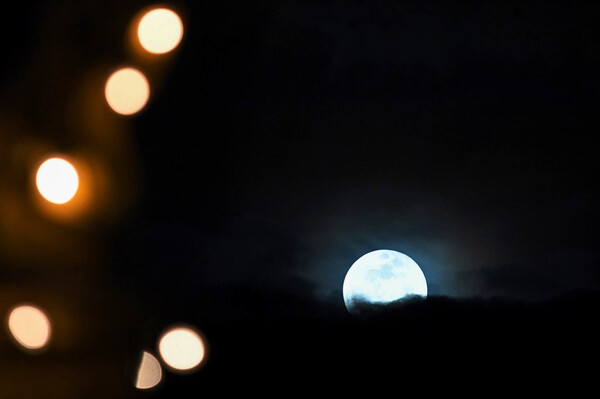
(430, 346)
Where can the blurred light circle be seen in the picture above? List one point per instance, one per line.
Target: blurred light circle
(149, 373)
(160, 31)
(127, 91)
(57, 180)
(29, 326)
(181, 348)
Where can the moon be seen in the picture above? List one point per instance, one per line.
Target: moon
(380, 277)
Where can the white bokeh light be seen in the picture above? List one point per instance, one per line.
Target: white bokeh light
(57, 180)
(181, 348)
(149, 372)
(29, 326)
(127, 91)
(160, 31)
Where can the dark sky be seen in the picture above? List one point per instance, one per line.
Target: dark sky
(285, 139)
(296, 136)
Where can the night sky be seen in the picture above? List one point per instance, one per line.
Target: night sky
(283, 140)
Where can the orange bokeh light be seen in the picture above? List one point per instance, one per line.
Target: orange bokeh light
(182, 348)
(29, 326)
(149, 372)
(127, 91)
(160, 30)
(57, 180)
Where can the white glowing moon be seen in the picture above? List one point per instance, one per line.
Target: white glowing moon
(382, 276)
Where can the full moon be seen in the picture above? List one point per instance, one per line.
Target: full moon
(382, 276)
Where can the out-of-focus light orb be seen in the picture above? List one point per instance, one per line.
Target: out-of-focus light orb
(127, 91)
(181, 348)
(57, 180)
(29, 326)
(149, 373)
(160, 30)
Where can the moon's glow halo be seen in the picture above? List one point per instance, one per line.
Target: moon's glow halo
(382, 276)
